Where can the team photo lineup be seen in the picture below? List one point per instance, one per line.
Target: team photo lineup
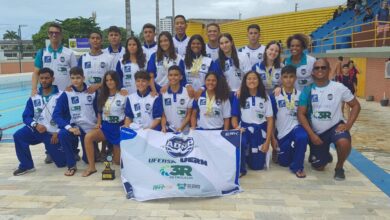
(282, 105)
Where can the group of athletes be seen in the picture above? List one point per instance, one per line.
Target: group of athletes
(177, 83)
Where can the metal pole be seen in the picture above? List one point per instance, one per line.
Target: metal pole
(173, 17)
(20, 48)
(157, 18)
(128, 18)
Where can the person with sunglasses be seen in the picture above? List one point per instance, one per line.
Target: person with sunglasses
(56, 57)
(321, 103)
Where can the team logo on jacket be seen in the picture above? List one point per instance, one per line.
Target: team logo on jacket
(203, 66)
(87, 65)
(260, 56)
(37, 102)
(277, 76)
(281, 103)
(202, 102)
(303, 71)
(102, 65)
(314, 98)
(247, 105)
(47, 59)
(89, 98)
(218, 102)
(179, 147)
(330, 96)
(137, 107)
(182, 101)
(127, 68)
(75, 100)
(167, 101)
(118, 102)
(62, 59)
(148, 107)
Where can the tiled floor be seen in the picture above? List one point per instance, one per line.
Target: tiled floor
(272, 194)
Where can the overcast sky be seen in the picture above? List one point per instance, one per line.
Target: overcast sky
(34, 13)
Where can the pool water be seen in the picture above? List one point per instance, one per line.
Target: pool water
(15, 90)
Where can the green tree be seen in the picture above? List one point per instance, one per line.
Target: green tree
(10, 35)
(71, 28)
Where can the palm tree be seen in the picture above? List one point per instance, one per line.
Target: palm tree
(10, 35)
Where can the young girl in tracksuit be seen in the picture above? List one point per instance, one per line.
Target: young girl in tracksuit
(255, 109)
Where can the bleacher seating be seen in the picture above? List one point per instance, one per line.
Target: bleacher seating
(280, 26)
(324, 37)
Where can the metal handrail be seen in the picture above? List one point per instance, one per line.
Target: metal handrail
(352, 28)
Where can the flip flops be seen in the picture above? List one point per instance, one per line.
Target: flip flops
(71, 171)
(300, 174)
(88, 173)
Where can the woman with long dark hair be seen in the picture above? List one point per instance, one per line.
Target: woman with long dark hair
(231, 64)
(297, 43)
(133, 60)
(111, 115)
(271, 66)
(160, 62)
(255, 110)
(197, 64)
(212, 110)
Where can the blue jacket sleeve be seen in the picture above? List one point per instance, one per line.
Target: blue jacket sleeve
(28, 113)
(236, 110)
(212, 66)
(254, 68)
(157, 107)
(61, 114)
(128, 111)
(218, 69)
(152, 65)
(183, 81)
(80, 62)
(274, 106)
(120, 73)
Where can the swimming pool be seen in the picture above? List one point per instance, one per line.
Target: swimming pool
(15, 90)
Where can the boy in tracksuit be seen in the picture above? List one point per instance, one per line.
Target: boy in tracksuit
(75, 115)
(39, 125)
(292, 137)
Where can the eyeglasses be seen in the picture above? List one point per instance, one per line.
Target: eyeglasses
(51, 33)
(317, 68)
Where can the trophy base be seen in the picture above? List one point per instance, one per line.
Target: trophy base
(108, 175)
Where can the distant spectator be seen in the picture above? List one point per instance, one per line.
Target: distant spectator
(353, 71)
(382, 18)
(337, 69)
(350, 81)
(340, 10)
(351, 4)
(335, 14)
(369, 15)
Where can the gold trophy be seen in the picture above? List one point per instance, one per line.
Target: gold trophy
(108, 173)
